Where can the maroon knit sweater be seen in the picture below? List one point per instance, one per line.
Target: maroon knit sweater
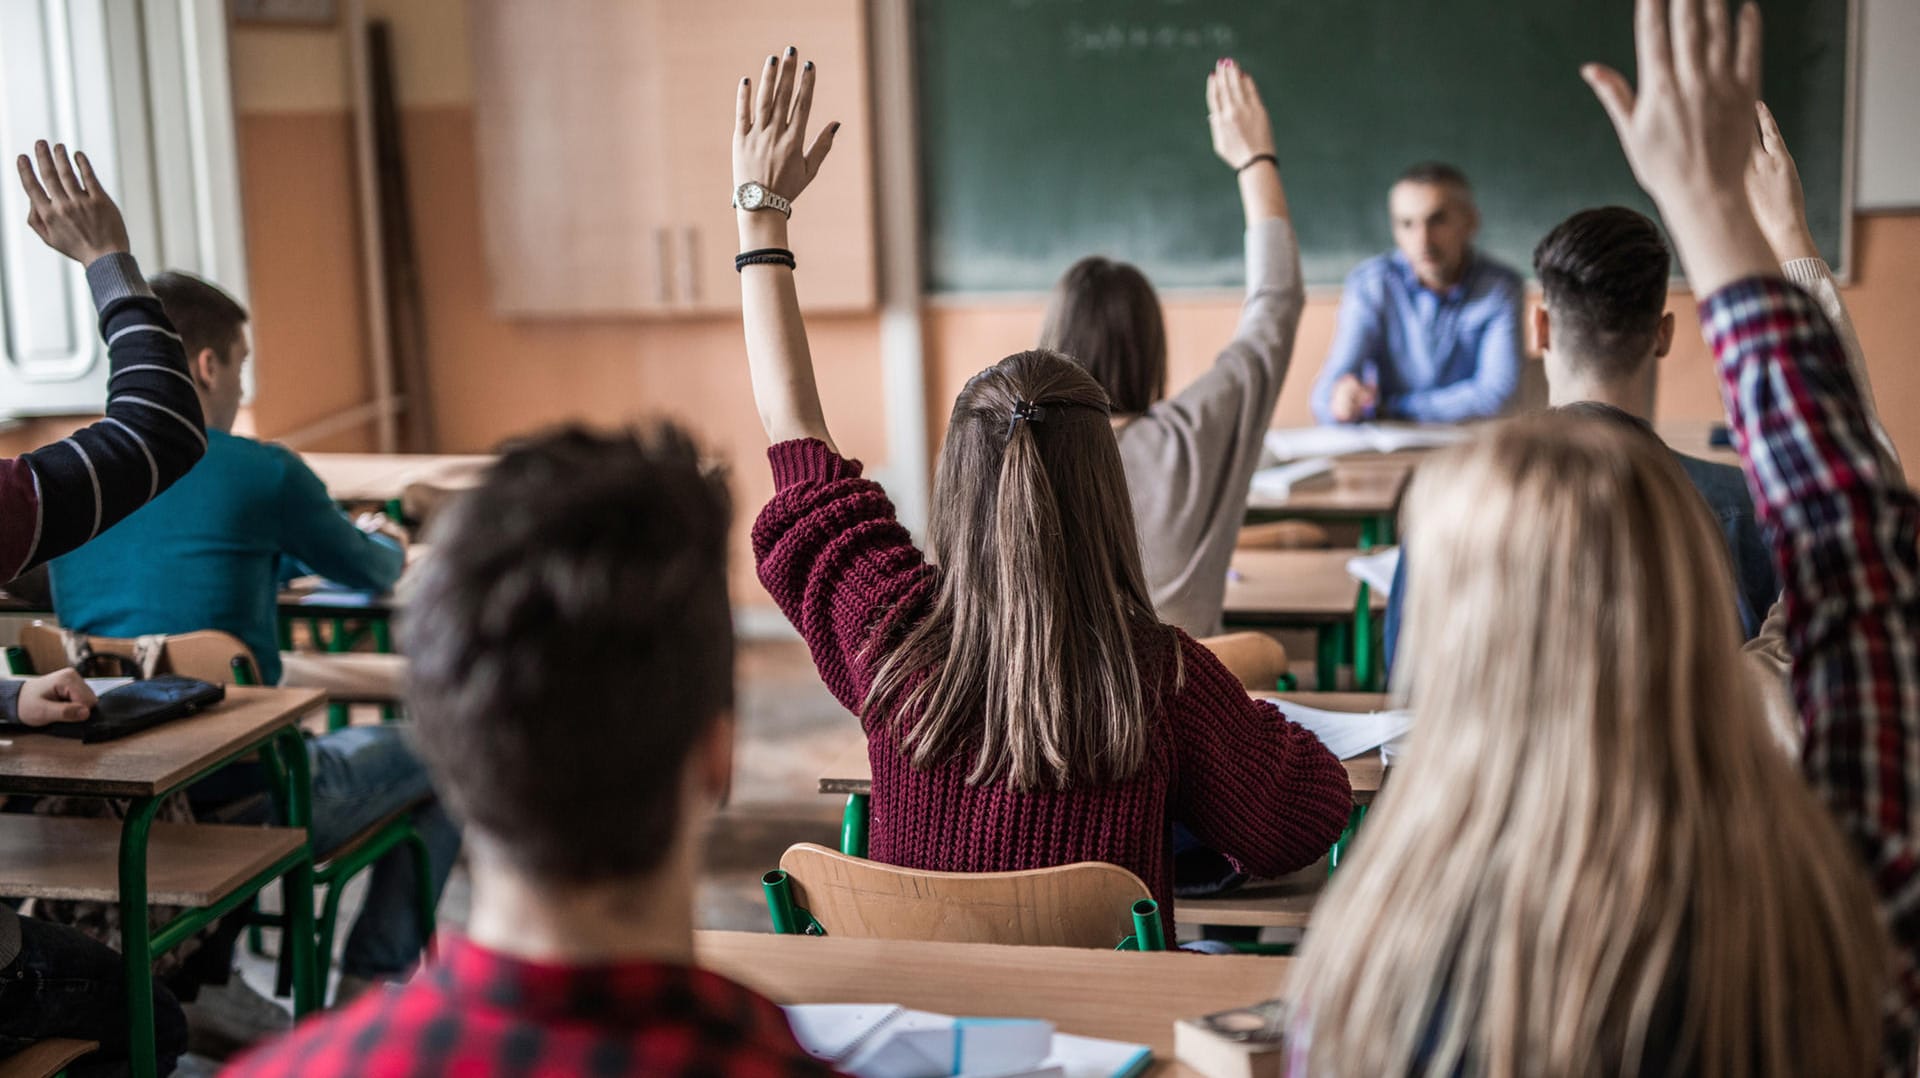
(1250, 784)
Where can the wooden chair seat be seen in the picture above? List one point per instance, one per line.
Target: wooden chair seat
(1284, 535)
(1080, 905)
(72, 858)
(44, 1059)
(1258, 660)
(347, 677)
(1285, 902)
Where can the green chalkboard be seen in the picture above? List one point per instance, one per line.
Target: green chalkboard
(1053, 129)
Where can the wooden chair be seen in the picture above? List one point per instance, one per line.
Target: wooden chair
(46, 1059)
(222, 658)
(1090, 904)
(1284, 535)
(1258, 660)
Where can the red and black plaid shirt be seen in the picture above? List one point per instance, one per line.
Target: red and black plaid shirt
(1843, 528)
(474, 1013)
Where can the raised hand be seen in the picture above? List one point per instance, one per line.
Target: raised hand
(770, 127)
(62, 696)
(1238, 120)
(69, 209)
(1773, 186)
(1688, 131)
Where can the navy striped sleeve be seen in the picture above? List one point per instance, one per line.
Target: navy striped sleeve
(61, 495)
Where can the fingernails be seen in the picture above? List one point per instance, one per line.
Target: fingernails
(833, 128)
(808, 66)
(1229, 61)
(772, 59)
(790, 50)
(743, 82)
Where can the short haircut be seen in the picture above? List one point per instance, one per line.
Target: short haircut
(1436, 174)
(570, 643)
(1603, 274)
(203, 315)
(1105, 316)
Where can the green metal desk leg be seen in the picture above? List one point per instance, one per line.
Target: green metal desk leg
(287, 769)
(1369, 533)
(1326, 670)
(1365, 674)
(136, 937)
(383, 643)
(853, 826)
(1339, 852)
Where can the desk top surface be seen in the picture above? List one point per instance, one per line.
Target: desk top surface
(1360, 485)
(155, 760)
(1294, 586)
(379, 477)
(1119, 995)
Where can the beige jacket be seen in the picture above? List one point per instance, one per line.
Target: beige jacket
(1190, 459)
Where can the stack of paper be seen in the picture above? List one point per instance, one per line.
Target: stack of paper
(878, 1040)
(1301, 442)
(1348, 734)
(1277, 484)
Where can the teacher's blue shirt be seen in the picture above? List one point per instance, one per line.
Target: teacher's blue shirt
(1436, 357)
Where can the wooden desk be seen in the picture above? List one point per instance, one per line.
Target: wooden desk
(1308, 589)
(384, 477)
(1366, 487)
(145, 768)
(153, 762)
(1120, 995)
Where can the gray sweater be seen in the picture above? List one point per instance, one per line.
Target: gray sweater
(1191, 457)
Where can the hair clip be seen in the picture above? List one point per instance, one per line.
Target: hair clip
(1027, 410)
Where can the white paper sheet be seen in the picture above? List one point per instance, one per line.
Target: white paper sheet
(1376, 570)
(1348, 734)
(1298, 443)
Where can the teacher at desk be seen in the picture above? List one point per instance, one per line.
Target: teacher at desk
(1430, 332)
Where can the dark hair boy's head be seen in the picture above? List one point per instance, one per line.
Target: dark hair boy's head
(571, 643)
(1603, 274)
(1105, 316)
(1436, 174)
(203, 315)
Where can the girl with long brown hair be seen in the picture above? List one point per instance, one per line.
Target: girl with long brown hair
(1593, 859)
(1023, 705)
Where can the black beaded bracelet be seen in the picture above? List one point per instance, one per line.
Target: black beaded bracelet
(764, 256)
(1256, 159)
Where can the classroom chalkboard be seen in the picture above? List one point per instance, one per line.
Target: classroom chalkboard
(1053, 129)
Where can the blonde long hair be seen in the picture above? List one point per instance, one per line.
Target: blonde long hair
(1594, 852)
(1029, 656)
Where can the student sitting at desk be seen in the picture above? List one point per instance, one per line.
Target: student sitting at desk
(206, 555)
(54, 980)
(1189, 458)
(1023, 706)
(1603, 326)
(1429, 333)
(573, 682)
(1594, 860)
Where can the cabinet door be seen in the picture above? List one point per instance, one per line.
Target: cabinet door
(573, 162)
(705, 51)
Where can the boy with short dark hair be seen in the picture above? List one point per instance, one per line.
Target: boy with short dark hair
(572, 675)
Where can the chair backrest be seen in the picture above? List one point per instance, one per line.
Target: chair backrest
(208, 654)
(1088, 904)
(1258, 660)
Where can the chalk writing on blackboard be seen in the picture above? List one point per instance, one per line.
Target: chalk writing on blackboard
(1083, 39)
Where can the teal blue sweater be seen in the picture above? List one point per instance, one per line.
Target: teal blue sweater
(207, 553)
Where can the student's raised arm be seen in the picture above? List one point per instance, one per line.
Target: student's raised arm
(1841, 524)
(61, 495)
(771, 158)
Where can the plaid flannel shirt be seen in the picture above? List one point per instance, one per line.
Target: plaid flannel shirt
(475, 1013)
(1843, 529)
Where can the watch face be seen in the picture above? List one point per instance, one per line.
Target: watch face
(752, 196)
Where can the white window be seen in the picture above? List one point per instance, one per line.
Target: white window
(143, 87)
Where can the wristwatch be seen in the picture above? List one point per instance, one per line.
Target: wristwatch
(754, 195)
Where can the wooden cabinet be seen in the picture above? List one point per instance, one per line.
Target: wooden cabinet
(604, 132)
